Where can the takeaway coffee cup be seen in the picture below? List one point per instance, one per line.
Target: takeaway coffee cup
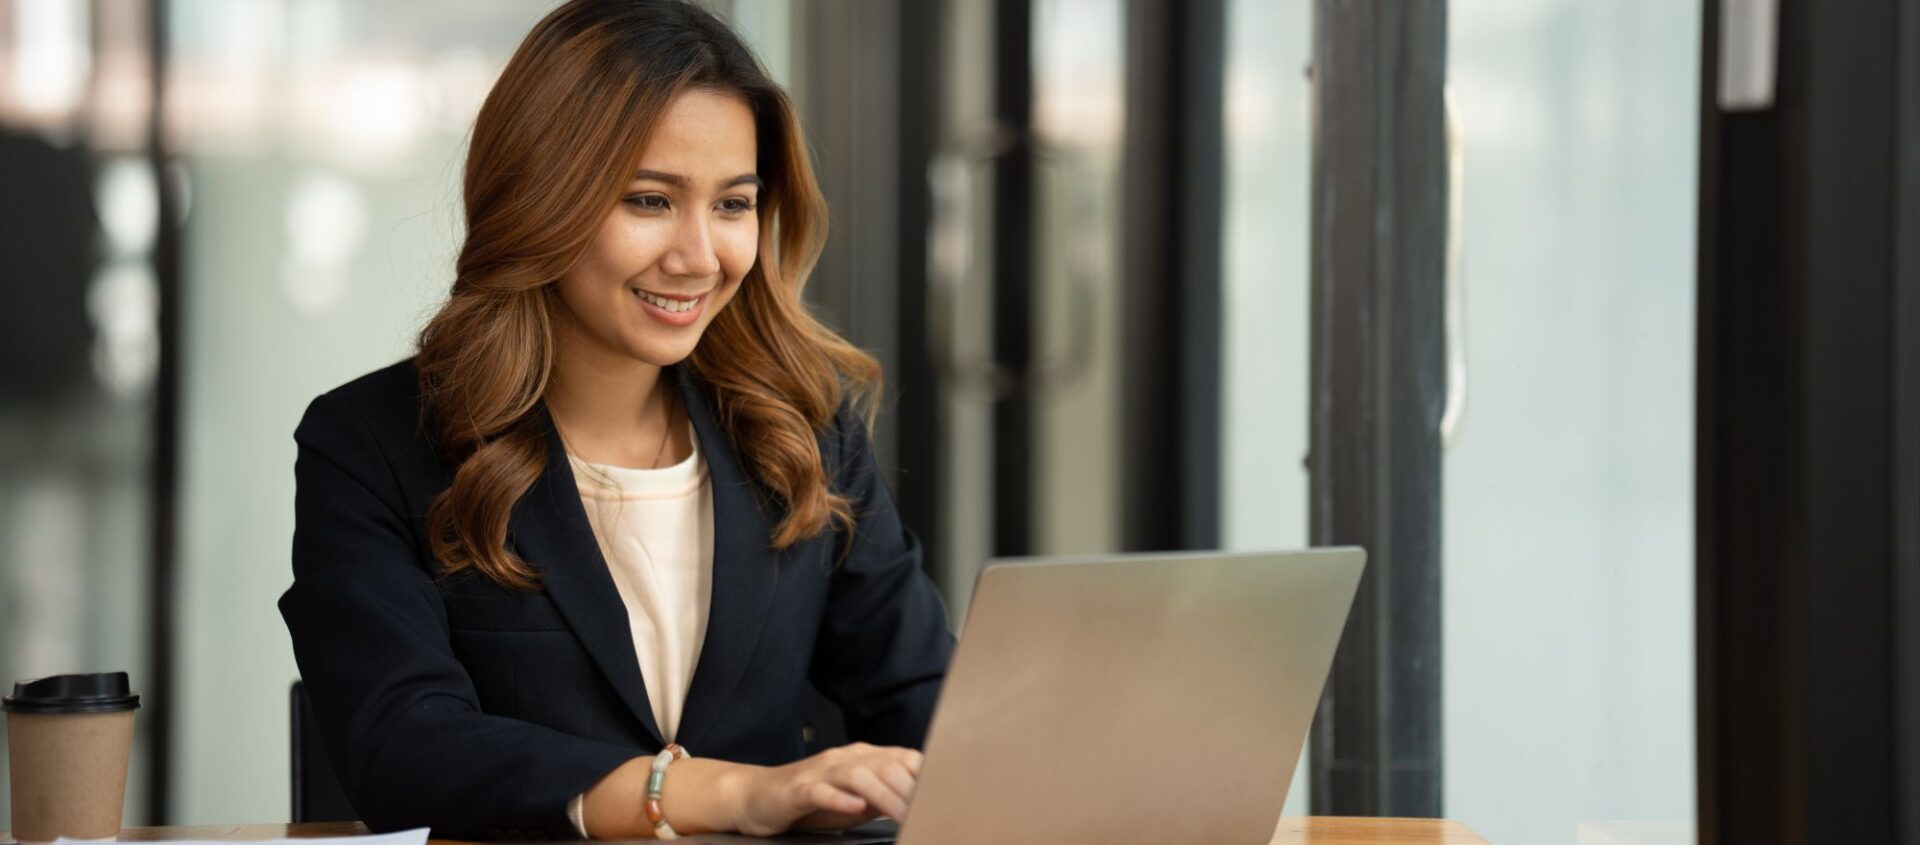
(68, 738)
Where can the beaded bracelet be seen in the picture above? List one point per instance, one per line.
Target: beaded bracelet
(655, 780)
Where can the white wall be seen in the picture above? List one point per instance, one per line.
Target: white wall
(1569, 495)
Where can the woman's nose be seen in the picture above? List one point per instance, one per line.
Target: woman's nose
(692, 251)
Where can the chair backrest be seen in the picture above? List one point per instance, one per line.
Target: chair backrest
(317, 793)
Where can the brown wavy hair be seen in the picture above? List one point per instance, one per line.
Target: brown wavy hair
(552, 149)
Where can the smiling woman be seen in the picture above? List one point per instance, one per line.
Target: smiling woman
(680, 243)
(622, 425)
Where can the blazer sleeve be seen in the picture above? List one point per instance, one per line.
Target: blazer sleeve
(397, 710)
(884, 643)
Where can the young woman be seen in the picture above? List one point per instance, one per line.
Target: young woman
(623, 499)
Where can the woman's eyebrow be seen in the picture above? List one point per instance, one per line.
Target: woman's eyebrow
(657, 176)
(679, 181)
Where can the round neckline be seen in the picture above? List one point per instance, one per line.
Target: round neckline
(615, 480)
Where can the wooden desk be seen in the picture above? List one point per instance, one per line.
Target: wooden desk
(1293, 830)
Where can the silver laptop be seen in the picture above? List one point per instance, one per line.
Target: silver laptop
(1131, 698)
(1127, 698)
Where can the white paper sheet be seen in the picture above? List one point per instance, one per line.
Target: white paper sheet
(417, 836)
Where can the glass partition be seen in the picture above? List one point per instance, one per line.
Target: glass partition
(1568, 610)
(1267, 181)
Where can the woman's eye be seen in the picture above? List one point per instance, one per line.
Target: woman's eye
(736, 205)
(648, 202)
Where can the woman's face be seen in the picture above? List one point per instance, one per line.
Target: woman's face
(672, 252)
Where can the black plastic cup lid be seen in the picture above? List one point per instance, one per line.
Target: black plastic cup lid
(102, 692)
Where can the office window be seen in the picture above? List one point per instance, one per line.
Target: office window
(79, 349)
(1264, 280)
(1079, 110)
(1568, 569)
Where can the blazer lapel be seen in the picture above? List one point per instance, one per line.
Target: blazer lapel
(745, 569)
(550, 531)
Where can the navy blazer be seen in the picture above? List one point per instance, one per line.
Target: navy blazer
(453, 703)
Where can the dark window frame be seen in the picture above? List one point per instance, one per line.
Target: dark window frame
(1013, 280)
(1906, 381)
(1807, 477)
(1173, 157)
(164, 478)
(1378, 391)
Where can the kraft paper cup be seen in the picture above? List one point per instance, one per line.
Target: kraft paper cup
(68, 740)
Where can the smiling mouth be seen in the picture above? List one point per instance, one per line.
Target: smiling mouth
(670, 305)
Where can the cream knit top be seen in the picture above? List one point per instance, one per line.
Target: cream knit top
(655, 529)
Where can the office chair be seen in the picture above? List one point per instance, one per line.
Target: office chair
(317, 793)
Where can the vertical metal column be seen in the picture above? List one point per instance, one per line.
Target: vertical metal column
(164, 505)
(1013, 276)
(1806, 475)
(1906, 425)
(1172, 228)
(914, 381)
(1379, 387)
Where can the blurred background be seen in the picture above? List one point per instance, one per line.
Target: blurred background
(1080, 236)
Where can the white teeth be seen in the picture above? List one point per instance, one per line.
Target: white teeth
(670, 305)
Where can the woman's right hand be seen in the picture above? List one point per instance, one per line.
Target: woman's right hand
(837, 788)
